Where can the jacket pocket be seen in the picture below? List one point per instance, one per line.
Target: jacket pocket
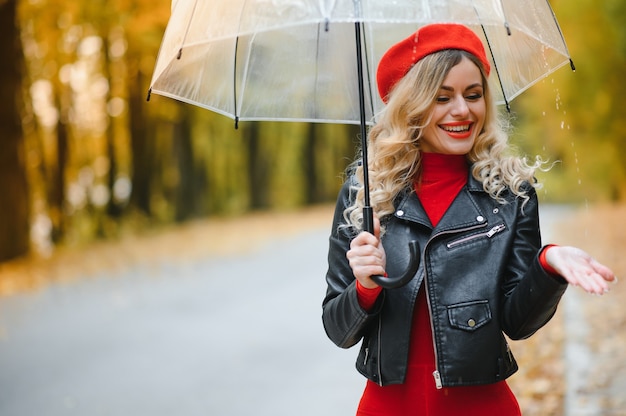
(469, 316)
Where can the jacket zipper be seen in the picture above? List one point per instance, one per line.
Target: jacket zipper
(495, 230)
(437, 377)
(436, 373)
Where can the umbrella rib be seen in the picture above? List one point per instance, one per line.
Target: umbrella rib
(235, 107)
(495, 67)
(506, 22)
(493, 58)
(571, 62)
(193, 12)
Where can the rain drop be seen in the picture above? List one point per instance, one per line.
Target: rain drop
(558, 99)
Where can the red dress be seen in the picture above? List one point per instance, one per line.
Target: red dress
(443, 176)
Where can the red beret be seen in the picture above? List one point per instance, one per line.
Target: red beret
(401, 57)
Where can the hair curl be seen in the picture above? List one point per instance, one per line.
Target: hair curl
(394, 142)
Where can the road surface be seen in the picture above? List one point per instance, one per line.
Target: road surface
(234, 335)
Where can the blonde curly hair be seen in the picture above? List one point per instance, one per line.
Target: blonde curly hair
(394, 142)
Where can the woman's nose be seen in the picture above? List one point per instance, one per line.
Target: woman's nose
(459, 107)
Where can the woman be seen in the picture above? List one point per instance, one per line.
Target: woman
(441, 174)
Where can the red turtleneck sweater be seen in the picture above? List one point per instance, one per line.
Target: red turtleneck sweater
(443, 176)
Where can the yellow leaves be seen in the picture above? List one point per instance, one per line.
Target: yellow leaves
(539, 384)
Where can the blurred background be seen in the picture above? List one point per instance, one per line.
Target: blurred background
(94, 180)
(84, 156)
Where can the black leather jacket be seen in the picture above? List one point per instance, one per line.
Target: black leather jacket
(483, 277)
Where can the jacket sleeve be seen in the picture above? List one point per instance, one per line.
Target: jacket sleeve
(344, 320)
(531, 294)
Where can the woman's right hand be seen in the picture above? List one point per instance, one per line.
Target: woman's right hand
(367, 256)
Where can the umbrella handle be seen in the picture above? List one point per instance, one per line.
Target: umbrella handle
(391, 282)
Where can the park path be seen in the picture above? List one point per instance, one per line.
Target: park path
(228, 335)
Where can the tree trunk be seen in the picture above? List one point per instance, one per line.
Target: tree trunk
(113, 209)
(14, 200)
(257, 168)
(313, 194)
(183, 150)
(56, 181)
(140, 147)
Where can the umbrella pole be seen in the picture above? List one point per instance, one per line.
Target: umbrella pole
(388, 282)
(368, 213)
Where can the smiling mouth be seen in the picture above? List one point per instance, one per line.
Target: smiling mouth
(463, 128)
(458, 131)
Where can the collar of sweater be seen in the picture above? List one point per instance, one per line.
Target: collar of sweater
(437, 167)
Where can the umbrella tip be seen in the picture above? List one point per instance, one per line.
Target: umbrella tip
(571, 64)
(180, 53)
(149, 94)
(508, 28)
(236, 123)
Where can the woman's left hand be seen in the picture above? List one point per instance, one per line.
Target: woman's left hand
(580, 269)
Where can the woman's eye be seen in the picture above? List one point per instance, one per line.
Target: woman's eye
(443, 99)
(474, 96)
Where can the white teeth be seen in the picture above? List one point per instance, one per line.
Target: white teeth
(456, 129)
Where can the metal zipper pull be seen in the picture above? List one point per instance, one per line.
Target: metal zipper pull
(495, 230)
(367, 353)
(437, 380)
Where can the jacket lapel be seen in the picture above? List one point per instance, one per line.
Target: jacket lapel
(410, 209)
(463, 212)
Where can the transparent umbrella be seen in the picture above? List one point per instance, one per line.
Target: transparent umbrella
(316, 60)
(295, 59)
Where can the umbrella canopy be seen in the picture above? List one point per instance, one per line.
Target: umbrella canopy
(295, 60)
(316, 60)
